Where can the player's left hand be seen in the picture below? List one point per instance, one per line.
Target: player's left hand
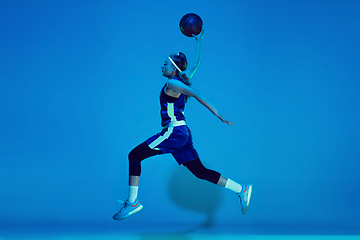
(224, 120)
(227, 122)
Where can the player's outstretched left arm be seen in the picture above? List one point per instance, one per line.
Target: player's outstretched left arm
(180, 87)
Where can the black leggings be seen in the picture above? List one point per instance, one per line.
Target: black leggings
(143, 151)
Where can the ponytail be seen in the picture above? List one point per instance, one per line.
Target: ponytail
(184, 78)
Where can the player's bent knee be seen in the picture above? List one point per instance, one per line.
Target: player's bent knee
(132, 155)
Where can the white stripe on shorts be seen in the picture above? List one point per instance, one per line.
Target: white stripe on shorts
(161, 138)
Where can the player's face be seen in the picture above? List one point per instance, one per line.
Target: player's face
(167, 68)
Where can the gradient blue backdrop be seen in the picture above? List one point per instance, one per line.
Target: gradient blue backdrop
(79, 85)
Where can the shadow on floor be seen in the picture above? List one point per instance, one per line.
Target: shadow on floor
(191, 194)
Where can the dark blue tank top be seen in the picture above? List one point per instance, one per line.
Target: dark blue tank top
(172, 109)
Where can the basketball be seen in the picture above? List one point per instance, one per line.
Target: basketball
(191, 24)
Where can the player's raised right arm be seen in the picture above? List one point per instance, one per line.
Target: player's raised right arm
(198, 39)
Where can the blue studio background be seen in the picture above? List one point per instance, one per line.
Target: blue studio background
(79, 86)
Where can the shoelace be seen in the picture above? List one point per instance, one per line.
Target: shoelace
(122, 203)
(243, 197)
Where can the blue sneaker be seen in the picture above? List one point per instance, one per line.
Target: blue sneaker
(245, 196)
(127, 209)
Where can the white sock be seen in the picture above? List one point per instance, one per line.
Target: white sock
(230, 184)
(133, 191)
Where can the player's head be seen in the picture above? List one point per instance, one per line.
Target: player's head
(174, 66)
(179, 61)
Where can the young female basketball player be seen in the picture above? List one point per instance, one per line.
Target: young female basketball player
(175, 138)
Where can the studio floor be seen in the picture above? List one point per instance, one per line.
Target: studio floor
(177, 236)
(177, 233)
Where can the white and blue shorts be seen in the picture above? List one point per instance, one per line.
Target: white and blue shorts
(176, 140)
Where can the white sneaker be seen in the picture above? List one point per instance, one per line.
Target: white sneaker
(127, 209)
(245, 196)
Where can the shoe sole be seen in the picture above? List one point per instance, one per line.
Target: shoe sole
(138, 209)
(248, 199)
